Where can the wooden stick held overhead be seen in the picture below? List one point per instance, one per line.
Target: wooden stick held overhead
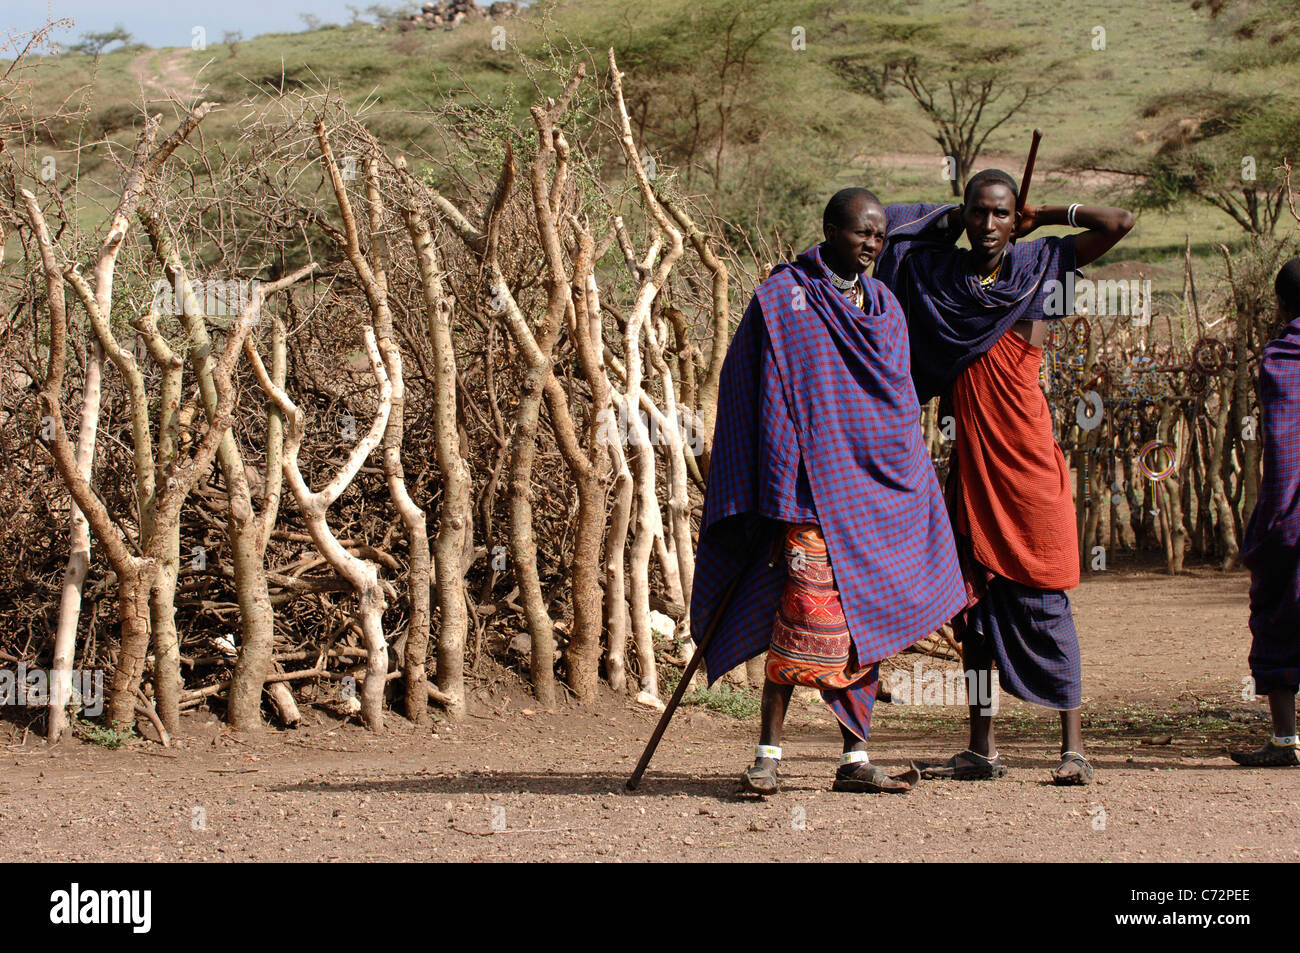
(1029, 170)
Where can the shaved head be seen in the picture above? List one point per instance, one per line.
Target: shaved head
(842, 203)
(989, 177)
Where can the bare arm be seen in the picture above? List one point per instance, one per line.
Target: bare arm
(1105, 226)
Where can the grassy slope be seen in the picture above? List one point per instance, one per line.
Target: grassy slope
(1151, 47)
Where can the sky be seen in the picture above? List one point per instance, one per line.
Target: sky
(162, 23)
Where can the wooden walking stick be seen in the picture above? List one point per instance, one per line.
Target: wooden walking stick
(687, 675)
(1029, 170)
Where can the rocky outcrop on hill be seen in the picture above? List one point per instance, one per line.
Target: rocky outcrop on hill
(449, 13)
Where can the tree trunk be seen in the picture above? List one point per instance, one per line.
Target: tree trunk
(639, 582)
(584, 644)
(74, 576)
(256, 625)
(523, 544)
(246, 532)
(362, 575)
(374, 276)
(133, 587)
(1169, 489)
(371, 614)
(166, 645)
(617, 617)
(453, 520)
(1218, 494)
(1249, 448)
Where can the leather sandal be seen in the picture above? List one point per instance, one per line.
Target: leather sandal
(1084, 775)
(1269, 756)
(966, 766)
(761, 777)
(866, 778)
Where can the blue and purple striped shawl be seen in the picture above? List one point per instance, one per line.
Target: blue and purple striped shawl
(1274, 528)
(951, 319)
(840, 380)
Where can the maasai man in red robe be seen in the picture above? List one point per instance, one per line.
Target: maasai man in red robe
(1271, 549)
(977, 321)
(822, 504)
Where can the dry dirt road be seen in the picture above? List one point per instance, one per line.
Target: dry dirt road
(1163, 662)
(170, 80)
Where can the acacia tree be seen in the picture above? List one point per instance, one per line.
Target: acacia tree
(1220, 149)
(968, 82)
(93, 44)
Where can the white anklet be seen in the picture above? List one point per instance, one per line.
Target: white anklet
(1286, 741)
(854, 757)
(767, 751)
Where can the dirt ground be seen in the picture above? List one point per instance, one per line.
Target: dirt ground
(1163, 666)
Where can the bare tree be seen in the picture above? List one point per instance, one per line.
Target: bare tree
(373, 273)
(362, 574)
(454, 518)
(161, 484)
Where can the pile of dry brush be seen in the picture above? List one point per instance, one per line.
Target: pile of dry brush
(302, 409)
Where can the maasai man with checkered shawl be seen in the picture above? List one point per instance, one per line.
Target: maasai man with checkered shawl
(977, 322)
(1271, 550)
(821, 496)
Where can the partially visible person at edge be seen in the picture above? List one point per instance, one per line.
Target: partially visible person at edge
(822, 503)
(1271, 549)
(977, 321)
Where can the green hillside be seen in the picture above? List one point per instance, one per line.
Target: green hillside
(795, 130)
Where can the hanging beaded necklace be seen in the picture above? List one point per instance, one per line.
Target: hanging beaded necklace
(987, 282)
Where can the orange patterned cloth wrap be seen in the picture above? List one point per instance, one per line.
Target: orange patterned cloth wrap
(810, 637)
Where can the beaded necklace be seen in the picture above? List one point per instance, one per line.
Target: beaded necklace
(851, 288)
(986, 282)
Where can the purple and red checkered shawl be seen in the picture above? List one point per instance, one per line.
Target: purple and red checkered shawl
(817, 421)
(951, 318)
(1271, 548)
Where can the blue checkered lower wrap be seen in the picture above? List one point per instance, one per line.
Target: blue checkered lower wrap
(1030, 633)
